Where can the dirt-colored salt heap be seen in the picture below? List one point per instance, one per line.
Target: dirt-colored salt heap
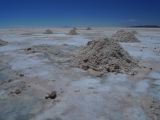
(105, 56)
(73, 32)
(3, 43)
(48, 31)
(125, 36)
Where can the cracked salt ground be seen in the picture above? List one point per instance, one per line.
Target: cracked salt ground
(101, 101)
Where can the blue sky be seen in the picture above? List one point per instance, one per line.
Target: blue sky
(79, 12)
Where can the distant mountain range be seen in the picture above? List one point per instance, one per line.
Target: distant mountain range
(146, 26)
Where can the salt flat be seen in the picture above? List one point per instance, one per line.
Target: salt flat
(80, 95)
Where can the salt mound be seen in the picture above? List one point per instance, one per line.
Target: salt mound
(75, 28)
(3, 43)
(73, 32)
(48, 31)
(125, 36)
(105, 56)
(89, 28)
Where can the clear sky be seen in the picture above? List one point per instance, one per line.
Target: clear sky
(79, 12)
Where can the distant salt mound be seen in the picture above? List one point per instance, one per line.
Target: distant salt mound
(89, 28)
(48, 31)
(73, 32)
(75, 28)
(3, 43)
(125, 36)
(105, 56)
